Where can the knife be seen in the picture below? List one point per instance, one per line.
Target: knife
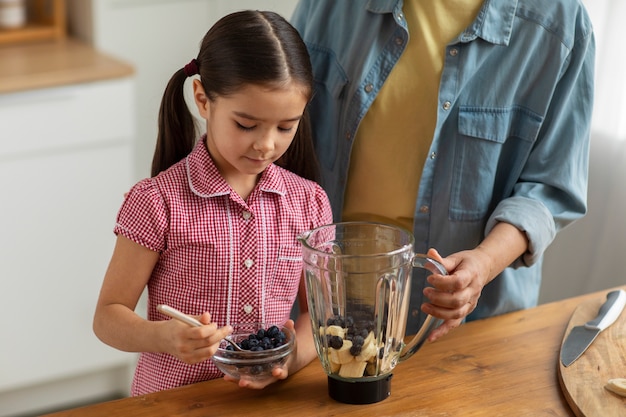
(581, 337)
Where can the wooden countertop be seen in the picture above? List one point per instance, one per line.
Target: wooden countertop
(55, 63)
(501, 366)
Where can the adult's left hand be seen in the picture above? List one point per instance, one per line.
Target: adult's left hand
(452, 297)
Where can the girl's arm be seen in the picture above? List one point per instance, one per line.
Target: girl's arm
(117, 324)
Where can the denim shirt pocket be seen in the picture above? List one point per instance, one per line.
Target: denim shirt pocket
(330, 81)
(491, 150)
(285, 280)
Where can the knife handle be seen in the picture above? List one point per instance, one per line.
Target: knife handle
(609, 311)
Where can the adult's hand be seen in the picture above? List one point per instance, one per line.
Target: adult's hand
(452, 297)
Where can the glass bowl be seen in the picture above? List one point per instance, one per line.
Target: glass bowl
(254, 362)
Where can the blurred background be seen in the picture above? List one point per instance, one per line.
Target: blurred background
(69, 150)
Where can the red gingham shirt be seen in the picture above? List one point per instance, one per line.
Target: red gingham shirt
(238, 260)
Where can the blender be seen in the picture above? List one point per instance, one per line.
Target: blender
(358, 284)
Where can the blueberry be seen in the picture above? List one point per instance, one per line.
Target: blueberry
(273, 331)
(355, 350)
(335, 342)
(335, 321)
(358, 341)
(266, 343)
(264, 339)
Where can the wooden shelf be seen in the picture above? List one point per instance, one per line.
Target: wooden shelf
(46, 21)
(28, 66)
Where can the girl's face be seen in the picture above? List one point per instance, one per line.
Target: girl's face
(250, 129)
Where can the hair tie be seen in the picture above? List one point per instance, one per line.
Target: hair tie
(191, 68)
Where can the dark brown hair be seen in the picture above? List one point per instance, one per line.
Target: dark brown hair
(242, 48)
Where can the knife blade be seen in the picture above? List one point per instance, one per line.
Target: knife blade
(581, 337)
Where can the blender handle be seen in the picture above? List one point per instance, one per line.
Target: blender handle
(422, 261)
(430, 323)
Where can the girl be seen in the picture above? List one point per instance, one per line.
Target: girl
(213, 232)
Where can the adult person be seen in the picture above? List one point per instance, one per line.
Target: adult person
(214, 232)
(465, 121)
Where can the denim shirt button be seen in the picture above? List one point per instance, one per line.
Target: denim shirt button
(368, 88)
(348, 136)
(454, 52)
(399, 41)
(447, 105)
(424, 209)
(433, 155)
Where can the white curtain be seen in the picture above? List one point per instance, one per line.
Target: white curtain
(590, 255)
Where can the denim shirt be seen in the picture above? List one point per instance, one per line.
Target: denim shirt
(511, 141)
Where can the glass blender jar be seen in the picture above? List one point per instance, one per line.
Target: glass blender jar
(358, 283)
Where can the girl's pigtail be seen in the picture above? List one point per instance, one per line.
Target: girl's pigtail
(176, 136)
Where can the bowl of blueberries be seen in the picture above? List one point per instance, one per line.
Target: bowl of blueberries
(260, 348)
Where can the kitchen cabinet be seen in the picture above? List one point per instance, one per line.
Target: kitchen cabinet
(65, 163)
(45, 20)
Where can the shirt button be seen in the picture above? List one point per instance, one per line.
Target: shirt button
(433, 155)
(248, 263)
(447, 105)
(399, 16)
(454, 52)
(368, 88)
(348, 136)
(399, 41)
(415, 313)
(248, 308)
(424, 209)
(246, 215)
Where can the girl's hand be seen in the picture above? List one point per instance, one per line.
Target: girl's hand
(193, 344)
(278, 373)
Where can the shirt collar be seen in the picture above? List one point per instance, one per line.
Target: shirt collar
(206, 181)
(493, 24)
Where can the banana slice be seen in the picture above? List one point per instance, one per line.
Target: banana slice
(336, 331)
(342, 355)
(617, 386)
(352, 369)
(367, 351)
(371, 368)
(369, 339)
(334, 367)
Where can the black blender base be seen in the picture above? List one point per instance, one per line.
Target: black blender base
(359, 392)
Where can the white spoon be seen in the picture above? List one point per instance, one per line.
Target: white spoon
(178, 315)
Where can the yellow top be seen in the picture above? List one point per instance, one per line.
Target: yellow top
(393, 139)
